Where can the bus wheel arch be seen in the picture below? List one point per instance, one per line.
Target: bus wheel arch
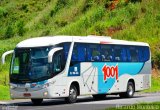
(132, 80)
(129, 90)
(74, 91)
(76, 84)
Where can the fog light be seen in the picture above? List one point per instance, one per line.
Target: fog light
(45, 93)
(11, 87)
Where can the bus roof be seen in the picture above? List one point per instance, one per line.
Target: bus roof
(52, 40)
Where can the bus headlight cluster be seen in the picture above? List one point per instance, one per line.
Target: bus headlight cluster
(46, 85)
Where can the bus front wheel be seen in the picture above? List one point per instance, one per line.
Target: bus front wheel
(130, 91)
(36, 101)
(72, 98)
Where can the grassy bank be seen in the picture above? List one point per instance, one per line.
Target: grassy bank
(155, 86)
(4, 92)
(4, 82)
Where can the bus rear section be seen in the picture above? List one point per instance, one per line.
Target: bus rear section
(102, 69)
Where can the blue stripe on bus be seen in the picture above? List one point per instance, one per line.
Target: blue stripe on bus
(123, 68)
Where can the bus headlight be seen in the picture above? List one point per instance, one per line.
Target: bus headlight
(45, 93)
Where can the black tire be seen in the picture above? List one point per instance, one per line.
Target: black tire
(73, 93)
(130, 91)
(36, 101)
(99, 96)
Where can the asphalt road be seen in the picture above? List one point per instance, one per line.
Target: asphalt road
(83, 103)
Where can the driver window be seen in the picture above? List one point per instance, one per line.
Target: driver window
(58, 65)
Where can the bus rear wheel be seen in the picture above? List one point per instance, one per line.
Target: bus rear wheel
(130, 91)
(73, 93)
(36, 101)
(99, 96)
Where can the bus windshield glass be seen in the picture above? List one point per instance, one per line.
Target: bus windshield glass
(30, 65)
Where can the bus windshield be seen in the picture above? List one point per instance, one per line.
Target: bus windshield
(30, 65)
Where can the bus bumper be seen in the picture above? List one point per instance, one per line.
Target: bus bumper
(45, 93)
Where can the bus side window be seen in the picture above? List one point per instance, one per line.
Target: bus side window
(106, 53)
(128, 55)
(124, 54)
(93, 52)
(78, 54)
(133, 54)
(120, 54)
(75, 53)
(141, 54)
(146, 53)
(66, 47)
(81, 52)
(117, 53)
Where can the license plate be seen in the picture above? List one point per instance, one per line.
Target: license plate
(27, 95)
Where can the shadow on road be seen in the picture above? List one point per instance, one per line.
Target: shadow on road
(62, 102)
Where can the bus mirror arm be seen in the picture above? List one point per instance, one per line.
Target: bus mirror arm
(5, 54)
(51, 53)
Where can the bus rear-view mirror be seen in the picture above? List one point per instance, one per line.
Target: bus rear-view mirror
(5, 54)
(51, 53)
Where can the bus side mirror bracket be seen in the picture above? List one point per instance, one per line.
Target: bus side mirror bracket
(5, 54)
(51, 53)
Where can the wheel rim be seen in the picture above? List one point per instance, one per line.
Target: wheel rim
(73, 94)
(130, 90)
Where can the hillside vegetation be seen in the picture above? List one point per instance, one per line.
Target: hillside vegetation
(135, 20)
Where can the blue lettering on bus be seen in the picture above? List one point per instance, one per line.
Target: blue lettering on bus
(74, 70)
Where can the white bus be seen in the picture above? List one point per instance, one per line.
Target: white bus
(70, 66)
